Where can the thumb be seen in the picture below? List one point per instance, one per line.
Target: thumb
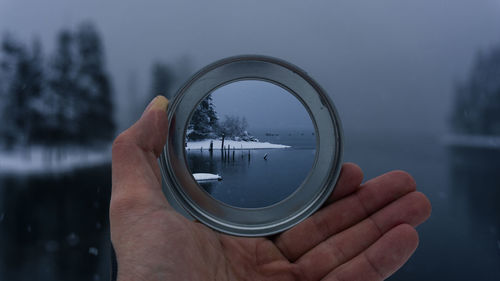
(150, 131)
(136, 178)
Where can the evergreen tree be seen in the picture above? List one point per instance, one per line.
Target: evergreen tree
(35, 88)
(8, 64)
(203, 123)
(22, 91)
(477, 103)
(75, 108)
(61, 99)
(94, 93)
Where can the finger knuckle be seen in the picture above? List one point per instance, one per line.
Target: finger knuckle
(424, 204)
(120, 140)
(123, 204)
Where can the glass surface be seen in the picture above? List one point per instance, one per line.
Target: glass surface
(268, 148)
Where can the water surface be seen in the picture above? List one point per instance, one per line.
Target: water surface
(55, 226)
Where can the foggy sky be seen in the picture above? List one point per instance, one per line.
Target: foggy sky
(388, 65)
(264, 105)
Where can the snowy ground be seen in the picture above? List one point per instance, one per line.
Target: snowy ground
(206, 177)
(205, 144)
(41, 160)
(477, 141)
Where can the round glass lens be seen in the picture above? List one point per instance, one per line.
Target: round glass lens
(250, 144)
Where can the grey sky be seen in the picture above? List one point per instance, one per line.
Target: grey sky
(388, 65)
(263, 104)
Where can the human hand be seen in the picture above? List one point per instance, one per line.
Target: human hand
(363, 232)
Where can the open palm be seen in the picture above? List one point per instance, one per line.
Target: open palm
(364, 231)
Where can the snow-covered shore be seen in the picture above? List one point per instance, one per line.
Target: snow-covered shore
(205, 144)
(42, 160)
(473, 141)
(206, 177)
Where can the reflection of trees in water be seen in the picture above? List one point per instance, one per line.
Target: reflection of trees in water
(469, 231)
(54, 227)
(475, 174)
(202, 162)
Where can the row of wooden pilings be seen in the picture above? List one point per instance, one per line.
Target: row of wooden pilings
(226, 152)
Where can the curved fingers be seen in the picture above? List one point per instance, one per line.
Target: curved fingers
(344, 213)
(412, 209)
(349, 181)
(381, 259)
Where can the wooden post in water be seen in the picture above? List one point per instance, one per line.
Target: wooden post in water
(211, 149)
(233, 153)
(222, 146)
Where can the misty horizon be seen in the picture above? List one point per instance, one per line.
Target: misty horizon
(263, 104)
(390, 67)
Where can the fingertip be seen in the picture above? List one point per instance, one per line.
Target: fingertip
(408, 233)
(355, 172)
(404, 178)
(426, 206)
(393, 249)
(350, 178)
(158, 103)
(149, 133)
(405, 238)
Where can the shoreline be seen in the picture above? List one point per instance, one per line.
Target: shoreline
(471, 141)
(41, 160)
(234, 145)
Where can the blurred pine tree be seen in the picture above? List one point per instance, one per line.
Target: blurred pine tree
(477, 102)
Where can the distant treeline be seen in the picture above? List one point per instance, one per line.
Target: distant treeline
(62, 99)
(205, 124)
(477, 101)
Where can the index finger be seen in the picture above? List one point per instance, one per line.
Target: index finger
(344, 213)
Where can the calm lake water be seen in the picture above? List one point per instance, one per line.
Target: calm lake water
(55, 226)
(257, 178)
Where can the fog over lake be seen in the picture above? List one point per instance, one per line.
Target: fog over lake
(264, 105)
(380, 62)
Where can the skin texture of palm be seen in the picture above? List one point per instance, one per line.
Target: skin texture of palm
(365, 231)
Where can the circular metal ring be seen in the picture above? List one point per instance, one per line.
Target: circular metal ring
(308, 197)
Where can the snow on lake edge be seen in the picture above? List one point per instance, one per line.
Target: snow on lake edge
(36, 161)
(206, 177)
(205, 144)
(477, 141)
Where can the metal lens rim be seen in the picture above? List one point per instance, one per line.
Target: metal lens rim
(253, 221)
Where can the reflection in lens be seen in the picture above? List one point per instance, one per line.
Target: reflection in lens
(250, 144)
